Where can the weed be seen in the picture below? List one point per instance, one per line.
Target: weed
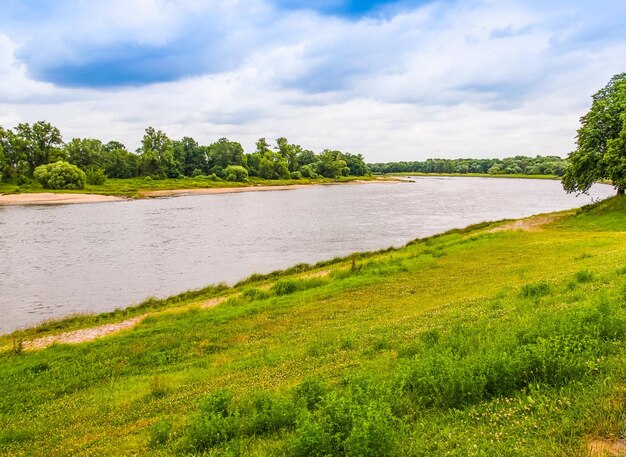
(583, 276)
(160, 433)
(536, 290)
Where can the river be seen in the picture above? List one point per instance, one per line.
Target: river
(64, 259)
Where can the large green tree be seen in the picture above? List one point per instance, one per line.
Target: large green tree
(157, 155)
(223, 153)
(601, 141)
(85, 153)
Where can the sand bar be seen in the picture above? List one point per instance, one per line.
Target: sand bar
(49, 198)
(260, 188)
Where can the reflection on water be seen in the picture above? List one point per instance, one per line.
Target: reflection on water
(58, 260)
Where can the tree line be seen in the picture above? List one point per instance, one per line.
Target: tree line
(26, 147)
(539, 165)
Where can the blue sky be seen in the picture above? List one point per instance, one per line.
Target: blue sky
(394, 80)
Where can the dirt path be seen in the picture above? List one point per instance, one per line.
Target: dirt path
(50, 198)
(210, 303)
(602, 448)
(529, 224)
(83, 335)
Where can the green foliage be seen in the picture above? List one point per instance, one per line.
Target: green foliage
(235, 173)
(601, 141)
(548, 165)
(85, 153)
(583, 276)
(223, 153)
(289, 286)
(537, 290)
(160, 433)
(273, 166)
(331, 164)
(157, 155)
(96, 176)
(60, 175)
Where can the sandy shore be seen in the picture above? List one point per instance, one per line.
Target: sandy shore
(49, 198)
(232, 190)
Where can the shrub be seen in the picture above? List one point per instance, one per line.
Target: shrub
(310, 391)
(214, 177)
(235, 173)
(96, 177)
(537, 290)
(289, 286)
(197, 173)
(296, 175)
(60, 175)
(583, 276)
(267, 414)
(309, 171)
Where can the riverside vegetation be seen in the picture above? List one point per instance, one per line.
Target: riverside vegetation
(486, 341)
(34, 157)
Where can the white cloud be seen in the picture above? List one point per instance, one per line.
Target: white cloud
(471, 78)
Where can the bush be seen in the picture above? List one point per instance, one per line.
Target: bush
(289, 286)
(536, 290)
(583, 276)
(236, 173)
(197, 173)
(309, 171)
(60, 175)
(296, 175)
(96, 177)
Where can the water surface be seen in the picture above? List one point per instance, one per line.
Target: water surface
(63, 259)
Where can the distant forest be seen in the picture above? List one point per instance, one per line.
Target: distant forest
(539, 165)
(26, 148)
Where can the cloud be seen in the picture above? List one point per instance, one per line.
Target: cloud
(402, 80)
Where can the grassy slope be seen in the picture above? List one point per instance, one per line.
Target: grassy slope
(133, 187)
(470, 343)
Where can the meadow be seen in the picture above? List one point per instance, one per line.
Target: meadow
(500, 339)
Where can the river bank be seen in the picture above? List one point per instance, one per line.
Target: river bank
(68, 197)
(503, 338)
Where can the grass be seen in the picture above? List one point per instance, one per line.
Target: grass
(466, 343)
(134, 187)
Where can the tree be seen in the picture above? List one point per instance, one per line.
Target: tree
(190, 155)
(331, 164)
(601, 141)
(223, 153)
(289, 152)
(262, 147)
(273, 166)
(356, 164)
(85, 153)
(157, 155)
(60, 175)
(40, 143)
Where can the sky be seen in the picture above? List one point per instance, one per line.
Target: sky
(392, 80)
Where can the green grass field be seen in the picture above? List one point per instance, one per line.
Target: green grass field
(134, 187)
(475, 342)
